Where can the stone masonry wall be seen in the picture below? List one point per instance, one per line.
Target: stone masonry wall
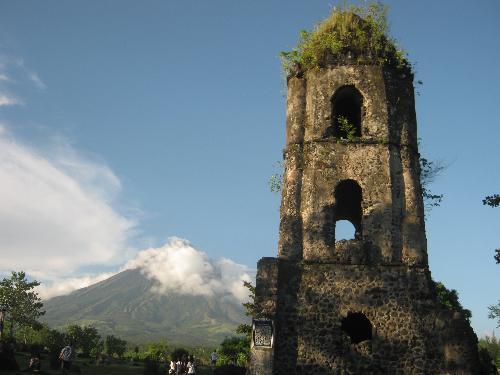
(384, 161)
(411, 333)
(304, 296)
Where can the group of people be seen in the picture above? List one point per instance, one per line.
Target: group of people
(184, 365)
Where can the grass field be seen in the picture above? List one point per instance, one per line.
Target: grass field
(85, 367)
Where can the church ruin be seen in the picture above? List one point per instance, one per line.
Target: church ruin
(366, 305)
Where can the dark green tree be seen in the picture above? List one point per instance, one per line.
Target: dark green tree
(115, 346)
(54, 341)
(83, 338)
(234, 350)
(492, 345)
(19, 303)
(179, 353)
(448, 299)
(156, 350)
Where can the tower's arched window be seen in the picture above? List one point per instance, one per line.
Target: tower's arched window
(348, 196)
(357, 326)
(346, 113)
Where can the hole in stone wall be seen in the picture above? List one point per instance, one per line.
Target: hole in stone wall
(348, 196)
(357, 326)
(344, 230)
(346, 104)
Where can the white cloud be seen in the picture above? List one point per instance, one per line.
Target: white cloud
(37, 81)
(67, 285)
(9, 99)
(13, 72)
(56, 214)
(176, 267)
(179, 267)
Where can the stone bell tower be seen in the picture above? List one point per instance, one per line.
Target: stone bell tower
(365, 305)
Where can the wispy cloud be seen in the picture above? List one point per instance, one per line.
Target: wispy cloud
(14, 74)
(63, 286)
(37, 81)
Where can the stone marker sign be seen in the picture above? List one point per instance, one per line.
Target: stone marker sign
(263, 333)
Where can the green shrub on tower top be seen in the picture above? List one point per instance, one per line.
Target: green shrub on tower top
(350, 35)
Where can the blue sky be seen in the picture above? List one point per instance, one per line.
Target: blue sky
(165, 118)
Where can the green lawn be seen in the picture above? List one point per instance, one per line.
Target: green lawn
(87, 368)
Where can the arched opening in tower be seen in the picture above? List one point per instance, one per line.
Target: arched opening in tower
(357, 326)
(347, 103)
(348, 196)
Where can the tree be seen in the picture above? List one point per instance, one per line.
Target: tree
(234, 350)
(495, 313)
(448, 299)
(250, 310)
(156, 351)
(492, 345)
(74, 333)
(54, 341)
(114, 345)
(179, 353)
(84, 338)
(19, 303)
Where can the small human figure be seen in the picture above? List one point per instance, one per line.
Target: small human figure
(66, 356)
(213, 358)
(35, 363)
(178, 367)
(191, 368)
(173, 367)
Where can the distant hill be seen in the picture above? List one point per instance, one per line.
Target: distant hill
(126, 306)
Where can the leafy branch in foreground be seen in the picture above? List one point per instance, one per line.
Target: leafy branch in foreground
(429, 170)
(250, 310)
(495, 313)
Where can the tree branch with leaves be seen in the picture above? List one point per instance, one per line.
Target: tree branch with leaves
(250, 310)
(494, 201)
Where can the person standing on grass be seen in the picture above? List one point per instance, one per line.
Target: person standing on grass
(191, 369)
(213, 358)
(173, 367)
(178, 367)
(66, 356)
